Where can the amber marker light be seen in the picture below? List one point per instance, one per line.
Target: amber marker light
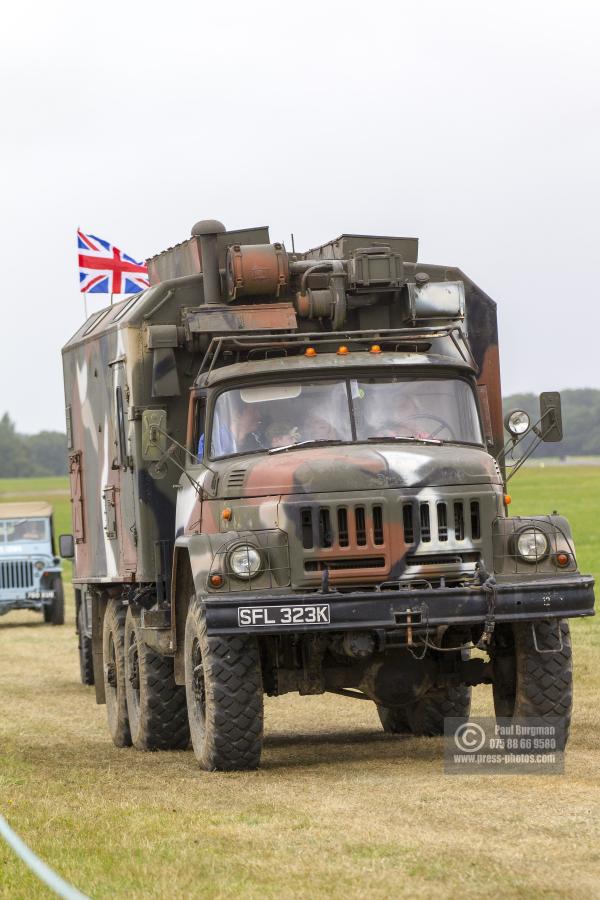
(216, 580)
(507, 499)
(310, 351)
(375, 349)
(342, 350)
(227, 513)
(562, 559)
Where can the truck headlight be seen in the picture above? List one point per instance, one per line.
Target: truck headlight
(244, 561)
(517, 422)
(532, 545)
(40, 565)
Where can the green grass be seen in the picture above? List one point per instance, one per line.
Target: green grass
(574, 492)
(338, 809)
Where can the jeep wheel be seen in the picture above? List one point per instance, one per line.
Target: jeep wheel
(113, 635)
(57, 616)
(155, 704)
(86, 659)
(426, 716)
(224, 691)
(531, 683)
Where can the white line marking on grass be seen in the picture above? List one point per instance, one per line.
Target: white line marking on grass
(39, 868)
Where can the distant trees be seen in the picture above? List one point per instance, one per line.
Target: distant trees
(23, 455)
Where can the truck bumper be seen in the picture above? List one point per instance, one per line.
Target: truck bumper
(260, 613)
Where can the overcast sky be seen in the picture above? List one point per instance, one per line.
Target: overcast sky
(472, 125)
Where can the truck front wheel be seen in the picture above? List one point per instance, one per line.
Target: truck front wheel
(426, 716)
(533, 673)
(224, 692)
(155, 704)
(113, 637)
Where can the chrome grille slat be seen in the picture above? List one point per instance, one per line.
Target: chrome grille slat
(16, 574)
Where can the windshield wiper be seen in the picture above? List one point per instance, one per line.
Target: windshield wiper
(410, 439)
(306, 443)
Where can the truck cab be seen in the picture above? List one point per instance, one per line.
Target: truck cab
(30, 572)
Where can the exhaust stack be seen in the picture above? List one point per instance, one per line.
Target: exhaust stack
(207, 231)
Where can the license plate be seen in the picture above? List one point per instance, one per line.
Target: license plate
(314, 614)
(40, 595)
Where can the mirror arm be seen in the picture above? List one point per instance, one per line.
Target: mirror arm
(168, 457)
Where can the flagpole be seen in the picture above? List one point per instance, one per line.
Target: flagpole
(85, 304)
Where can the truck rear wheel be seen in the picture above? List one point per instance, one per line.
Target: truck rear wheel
(224, 691)
(426, 716)
(534, 682)
(156, 706)
(86, 660)
(113, 637)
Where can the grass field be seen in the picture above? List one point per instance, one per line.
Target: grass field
(337, 809)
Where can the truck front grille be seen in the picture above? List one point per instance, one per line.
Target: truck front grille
(16, 574)
(360, 539)
(323, 526)
(429, 521)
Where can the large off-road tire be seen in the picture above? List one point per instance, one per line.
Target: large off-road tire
(113, 638)
(394, 719)
(58, 604)
(223, 683)
(426, 716)
(86, 659)
(533, 684)
(156, 706)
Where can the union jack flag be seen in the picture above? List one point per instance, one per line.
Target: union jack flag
(104, 269)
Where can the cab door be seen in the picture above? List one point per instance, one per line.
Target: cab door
(124, 496)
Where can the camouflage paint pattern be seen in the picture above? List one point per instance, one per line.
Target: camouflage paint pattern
(166, 349)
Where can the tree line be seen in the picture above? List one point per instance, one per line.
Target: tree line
(31, 455)
(37, 455)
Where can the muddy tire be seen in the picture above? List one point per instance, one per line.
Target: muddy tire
(533, 684)
(427, 715)
(113, 638)
(394, 719)
(156, 706)
(425, 718)
(86, 659)
(224, 692)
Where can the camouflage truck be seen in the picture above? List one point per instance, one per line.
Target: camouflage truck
(288, 473)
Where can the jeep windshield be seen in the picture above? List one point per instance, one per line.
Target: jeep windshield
(281, 416)
(20, 531)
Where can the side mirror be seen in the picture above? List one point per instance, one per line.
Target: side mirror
(154, 434)
(66, 546)
(551, 417)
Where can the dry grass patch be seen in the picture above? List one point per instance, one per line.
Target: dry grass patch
(338, 809)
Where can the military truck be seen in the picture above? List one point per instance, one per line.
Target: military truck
(30, 572)
(289, 473)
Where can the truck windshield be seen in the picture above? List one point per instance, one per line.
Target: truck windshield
(354, 409)
(13, 531)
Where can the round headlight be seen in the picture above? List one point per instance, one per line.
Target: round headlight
(532, 545)
(244, 561)
(517, 422)
(40, 565)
